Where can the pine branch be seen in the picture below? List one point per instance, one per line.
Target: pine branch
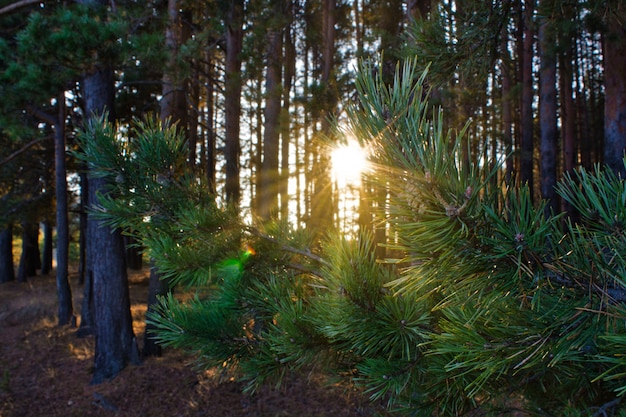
(306, 253)
(22, 150)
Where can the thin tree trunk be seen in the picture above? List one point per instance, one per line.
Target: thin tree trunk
(232, 101)
(568, 108)
(615, 87)
(65, 310)
(322, 208)
(269, 174)
(156, 287)
(29, 260)
(526, 140)
(209, 128)
(46, 255)
(548, 115)
(285, 125)
(82, 240)
(507, 116)
(7, 268)
(174, 98)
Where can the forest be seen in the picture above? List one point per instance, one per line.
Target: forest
(422, 201)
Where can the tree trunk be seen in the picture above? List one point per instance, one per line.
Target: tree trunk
(30, 260)
(285, 125)
(615, 90)
(322, 209)
(116, 345)
(568, 108)
(98, 98)
(7, 269)
(82, 229)
(46, 255)
(210, 150)
(174, 98)
(232, 101)
(64, 292)
(507, 114)
(268, 206)
(548, 115)
(134, 255)
(174, 108)
(526, 140)
(156, 287)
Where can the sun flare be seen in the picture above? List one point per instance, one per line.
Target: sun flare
(349, 162)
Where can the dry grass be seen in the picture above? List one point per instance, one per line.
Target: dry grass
(45, 370)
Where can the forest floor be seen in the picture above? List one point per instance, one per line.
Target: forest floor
(45, 370)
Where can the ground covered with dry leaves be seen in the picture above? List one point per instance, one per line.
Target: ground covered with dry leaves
(45, 370)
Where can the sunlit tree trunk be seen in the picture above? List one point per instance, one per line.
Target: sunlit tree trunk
(232, 100)
(269, 174)
(322, 209)
(507, 101)
(209, 126)
(289, 69)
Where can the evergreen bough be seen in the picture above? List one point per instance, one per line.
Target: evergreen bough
(487, 305)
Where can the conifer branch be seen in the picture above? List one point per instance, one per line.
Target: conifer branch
(306, 253)
(22, 150)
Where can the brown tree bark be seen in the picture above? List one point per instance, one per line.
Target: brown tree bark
(289, 70)
(65, 312)
(527, 134)
(615, 89)
(232, 101)
(269, 175)
(322, 209)
(115, 343)
(548, 114)
(174, 97)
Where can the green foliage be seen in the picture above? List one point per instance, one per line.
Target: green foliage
(489, 306)
(54, 49)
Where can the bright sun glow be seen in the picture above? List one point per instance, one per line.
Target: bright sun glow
(349, 161)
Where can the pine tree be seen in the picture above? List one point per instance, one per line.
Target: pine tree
(487, 305)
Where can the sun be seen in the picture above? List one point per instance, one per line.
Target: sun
(349, 162)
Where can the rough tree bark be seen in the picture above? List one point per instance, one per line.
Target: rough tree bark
(322, 210)
(232, 100)
(269, 175)
(64, 292)
(115, 345)
(548, 114)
